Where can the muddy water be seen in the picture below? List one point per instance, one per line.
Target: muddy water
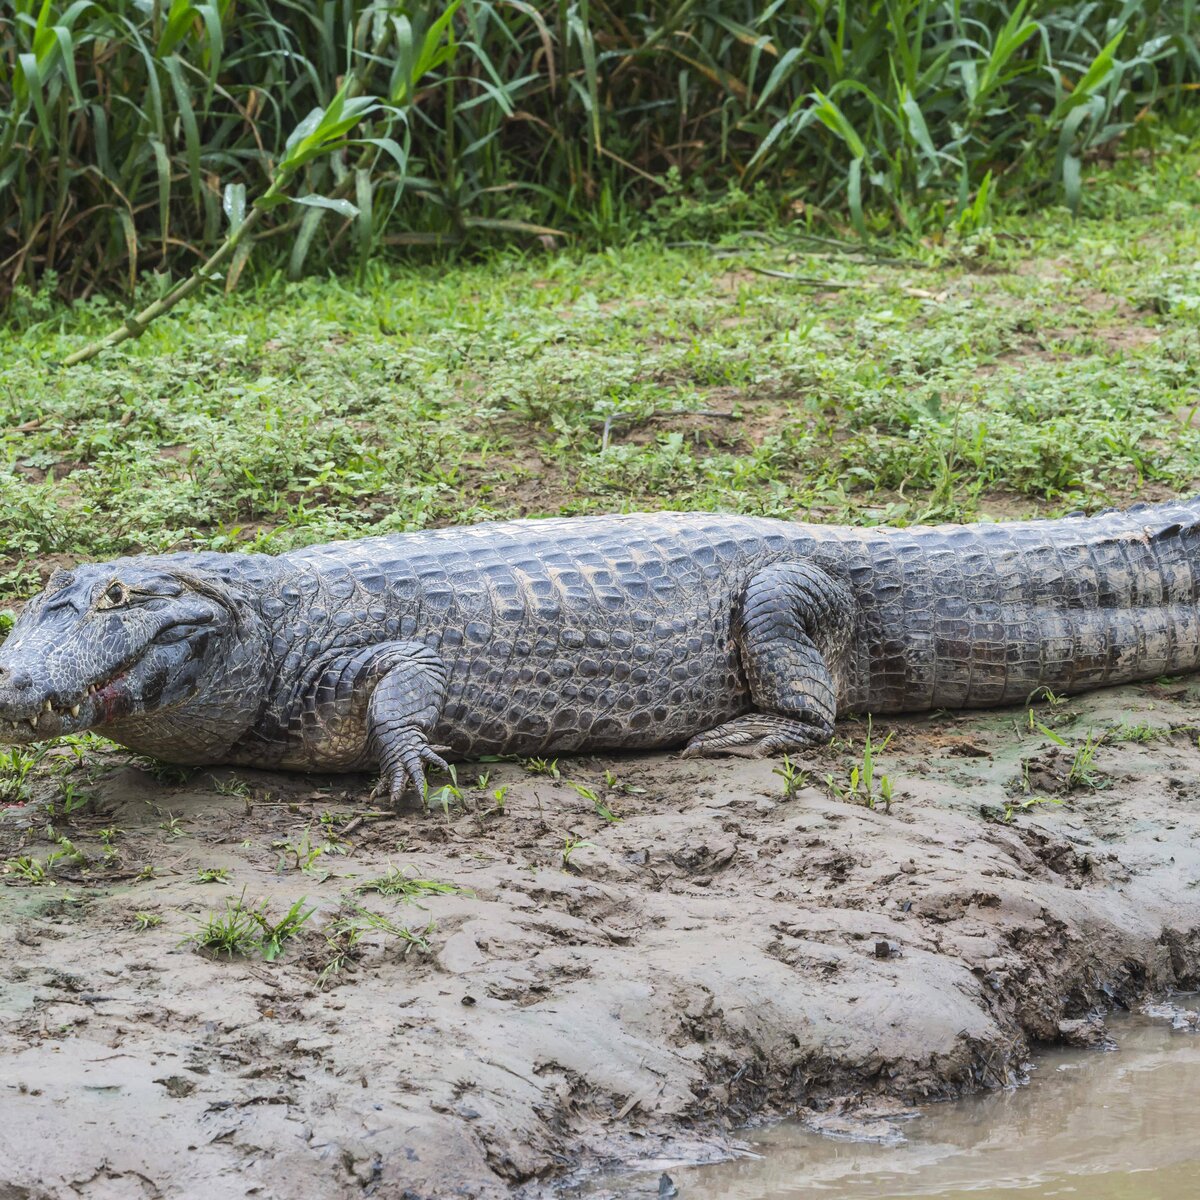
(1091, 1125)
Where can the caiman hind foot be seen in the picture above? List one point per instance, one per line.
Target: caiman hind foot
(757, 735)
(793, 629)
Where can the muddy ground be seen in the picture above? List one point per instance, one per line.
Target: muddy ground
(722, 953)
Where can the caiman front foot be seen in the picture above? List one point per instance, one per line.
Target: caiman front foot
(403, 711)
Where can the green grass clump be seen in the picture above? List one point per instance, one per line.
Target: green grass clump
(403, 882)
(344, 937)
(133, 136)
(243, 930)
(864, 784)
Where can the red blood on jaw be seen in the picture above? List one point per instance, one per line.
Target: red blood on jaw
(108, 696)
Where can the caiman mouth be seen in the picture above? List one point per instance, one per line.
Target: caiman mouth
(64, 712)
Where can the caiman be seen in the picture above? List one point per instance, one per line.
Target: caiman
(706, 632)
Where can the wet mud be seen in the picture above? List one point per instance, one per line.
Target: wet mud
(626, 963)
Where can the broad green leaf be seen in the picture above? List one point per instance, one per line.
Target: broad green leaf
(233, 201)
(833, 118)
(344, 207)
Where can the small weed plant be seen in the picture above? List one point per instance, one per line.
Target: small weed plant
(39, 872)
(541, 766)
(616, 785)
(794, 779)
(405, 883)
(344, 937)
(244, 930)
(307, 855)
(1082, 774)
(603, 811)
(866, 785)
(1013, 807)
(17, 765)
(570, 846)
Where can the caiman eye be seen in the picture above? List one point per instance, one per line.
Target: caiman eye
(114, 596)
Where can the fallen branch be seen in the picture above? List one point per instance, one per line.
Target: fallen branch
(135, 326)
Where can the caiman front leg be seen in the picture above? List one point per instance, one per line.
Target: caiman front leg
(793, 630)
(376, 705)
(404, 708)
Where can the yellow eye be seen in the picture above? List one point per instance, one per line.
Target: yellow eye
(114, 596)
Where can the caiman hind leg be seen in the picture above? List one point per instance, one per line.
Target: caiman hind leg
(793, 631)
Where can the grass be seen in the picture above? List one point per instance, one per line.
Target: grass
(1043, 365)
(345, 934)
(570, 845)
(794, 778)
(1025, 805)
(39, 872)
(17, 767)
(404, 883)
(243, 930)
(864, 783)
(308, 855)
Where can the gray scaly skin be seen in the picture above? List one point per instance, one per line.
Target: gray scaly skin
(714, 633)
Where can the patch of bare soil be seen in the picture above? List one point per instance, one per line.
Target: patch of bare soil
(601, 991)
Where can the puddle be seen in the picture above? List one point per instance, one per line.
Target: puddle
(1091, 1125)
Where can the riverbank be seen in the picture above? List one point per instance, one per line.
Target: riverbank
(599, 960)
(620, 963)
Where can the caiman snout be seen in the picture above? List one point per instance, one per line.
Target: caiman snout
(17, 693)
(14, 681)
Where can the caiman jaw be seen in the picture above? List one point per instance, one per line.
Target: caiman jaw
(55, 717)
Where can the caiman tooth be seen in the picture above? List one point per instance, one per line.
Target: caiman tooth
(74, 710)
(33, 722)
(47, 706)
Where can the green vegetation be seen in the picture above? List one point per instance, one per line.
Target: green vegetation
(136, 136)
(307, 855)
(1042, 365)
(17, 765)
(345, 934)
(1013, 807)
(1082, 773)
(246, 929)
(794, 778)
(570, 845)
(603, 810)
(38, 872)
(403, 882)
(1143, 733)
(864, 783)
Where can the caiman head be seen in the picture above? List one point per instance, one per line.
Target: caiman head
(162, 658)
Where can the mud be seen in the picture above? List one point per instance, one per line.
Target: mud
(722, 954)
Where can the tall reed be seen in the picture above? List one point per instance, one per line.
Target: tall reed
(128, 129)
